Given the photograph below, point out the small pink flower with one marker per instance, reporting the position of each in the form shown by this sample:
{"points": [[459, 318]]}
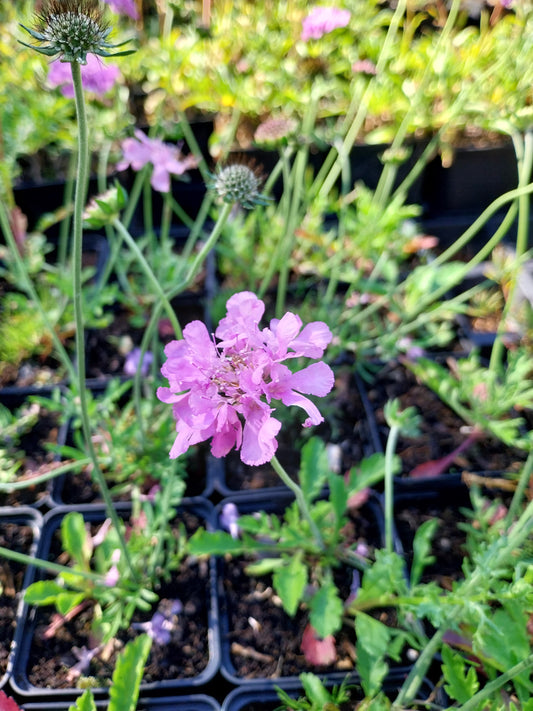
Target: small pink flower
{"points": [[322, 20], [97, 77], [124, 7], [166, 159], [212, 386], [113, 575], [364, 66]]}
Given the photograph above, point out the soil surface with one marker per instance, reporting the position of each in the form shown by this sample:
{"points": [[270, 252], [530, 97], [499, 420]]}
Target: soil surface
{"points": [[185, 656], [17, 537], [262, 641], [441, 430]]}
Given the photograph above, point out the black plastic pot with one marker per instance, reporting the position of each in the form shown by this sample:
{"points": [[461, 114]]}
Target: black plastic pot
{"points": [[230, 593], [17, 518], [264, 697], [20, 681], [187, 702]]}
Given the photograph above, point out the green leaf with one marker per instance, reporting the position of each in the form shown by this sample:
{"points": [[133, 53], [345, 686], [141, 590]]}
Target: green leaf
{"points": [[315, 690], [460, 686], [75, 538], [128, 674], [290, 582], [326, 610], [43, 592], [85, 702], [204, 542], [338, 495], [422, 545], [264, 566], [67, 601], [373, 638], [314, 468]]}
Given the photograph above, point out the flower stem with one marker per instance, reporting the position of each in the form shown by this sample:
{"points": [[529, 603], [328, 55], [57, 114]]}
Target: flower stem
{"points": [[300, 499], [390, 449], [77, 249]]}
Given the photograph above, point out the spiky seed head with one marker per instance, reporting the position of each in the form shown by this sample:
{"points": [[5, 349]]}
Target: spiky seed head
{"points": [[72, 29], [239, 183]]}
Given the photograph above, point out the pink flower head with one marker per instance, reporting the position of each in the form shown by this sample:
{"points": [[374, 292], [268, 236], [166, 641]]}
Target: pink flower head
{"points": [[124, 7], [166, 159], [322, 20], [213, 385], [97, 77]]}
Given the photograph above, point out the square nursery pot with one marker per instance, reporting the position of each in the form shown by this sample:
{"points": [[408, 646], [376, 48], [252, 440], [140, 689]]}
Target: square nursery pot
{"points": [[441, 432], [259, 640], [31, 450], [263, 697], [185, 664], [187, 702], [20, 529]]}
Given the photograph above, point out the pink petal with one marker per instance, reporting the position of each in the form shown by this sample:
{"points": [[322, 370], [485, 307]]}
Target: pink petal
{"points": [[259, 438], [317, 379], [319, 652]]}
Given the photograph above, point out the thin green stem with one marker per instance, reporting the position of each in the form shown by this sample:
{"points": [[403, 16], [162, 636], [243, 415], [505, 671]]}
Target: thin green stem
{"points": [[300, 499], [523, 482], [48, 565], [390, 449], [134, 247], [41, 478], [496, 684], [77, 249]]}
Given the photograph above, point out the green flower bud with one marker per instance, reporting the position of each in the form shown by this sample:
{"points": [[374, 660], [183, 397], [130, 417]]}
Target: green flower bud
{"points": [[72, 29], [238, 183], [105, 208]]}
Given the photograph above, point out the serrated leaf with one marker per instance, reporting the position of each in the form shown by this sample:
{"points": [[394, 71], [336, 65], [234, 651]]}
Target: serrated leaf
{"points": [[128, 674], [459, 686], [326, 610], [372, 644], [85, 702], [290, 582]]}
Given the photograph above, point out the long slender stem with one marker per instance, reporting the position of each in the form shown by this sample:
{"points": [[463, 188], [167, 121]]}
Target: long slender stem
{"points": [[390, 449], [77, 249], [300, 499]]}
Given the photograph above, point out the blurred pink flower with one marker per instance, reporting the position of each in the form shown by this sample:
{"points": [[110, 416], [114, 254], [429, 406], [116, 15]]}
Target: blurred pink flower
{"points": [[318, 652], [322, 20], [95, 76], [124, 7], [211, 386], [166, 159]]}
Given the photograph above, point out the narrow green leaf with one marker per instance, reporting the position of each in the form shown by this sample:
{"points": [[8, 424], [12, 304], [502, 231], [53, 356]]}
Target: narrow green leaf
{"points": [[204, 542], [289, 582], [422, 544], [314, 468], [75, 538], [128, 674]]}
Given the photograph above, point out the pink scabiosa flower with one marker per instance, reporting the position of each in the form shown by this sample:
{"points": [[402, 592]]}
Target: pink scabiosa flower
{"points": [[322, 20], [124, 7], [97, 77], [225, 390], [165, 159]]}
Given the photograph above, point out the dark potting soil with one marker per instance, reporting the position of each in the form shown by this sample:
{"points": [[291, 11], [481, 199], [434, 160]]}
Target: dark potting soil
{"points": [[16, 537], [185, 656], [37, 460], [440, 428], [263, 641]]}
